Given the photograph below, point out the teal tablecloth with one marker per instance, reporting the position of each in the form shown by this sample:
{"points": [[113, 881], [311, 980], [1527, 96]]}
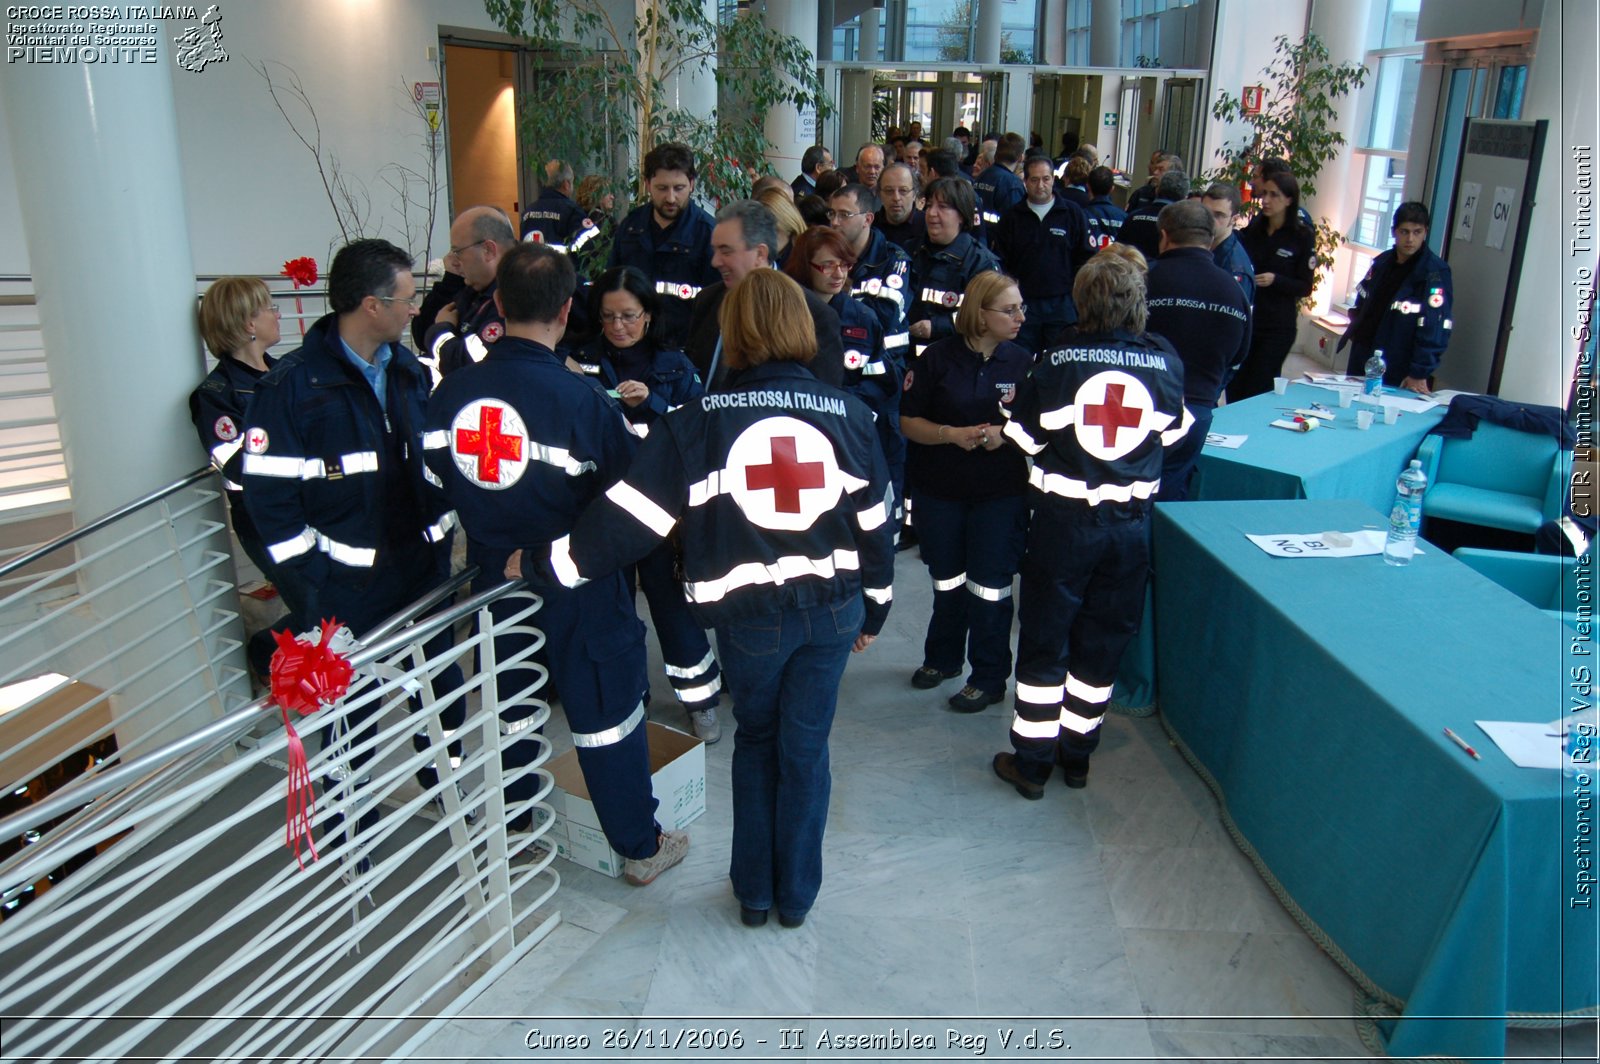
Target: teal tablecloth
{"points": [[1336, 461], [1315, 694]]}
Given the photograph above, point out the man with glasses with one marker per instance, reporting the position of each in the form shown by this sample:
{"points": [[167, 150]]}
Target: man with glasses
{"points": [[463, 331], [900, 221], [333, 474], [1041, 242], [882, 271], [742, 242]]}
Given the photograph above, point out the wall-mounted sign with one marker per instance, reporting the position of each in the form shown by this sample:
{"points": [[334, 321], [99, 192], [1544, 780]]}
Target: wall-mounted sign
{"points": [[1252, 98], [1110, 120]]}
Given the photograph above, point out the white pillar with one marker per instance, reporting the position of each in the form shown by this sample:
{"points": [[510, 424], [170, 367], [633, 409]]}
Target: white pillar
{"points": [[1339, 184], [797, 18], [1050, 43], [94, 147], [692, 87], [1105, 33], [986, 46], [867, 40], [95, 150]]}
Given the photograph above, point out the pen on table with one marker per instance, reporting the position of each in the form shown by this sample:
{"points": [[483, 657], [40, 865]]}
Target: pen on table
{"points": [[1459, 741]]}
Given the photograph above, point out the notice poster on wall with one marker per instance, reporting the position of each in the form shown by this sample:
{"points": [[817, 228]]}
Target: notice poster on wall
{"points": [[1500, 217], [1467, 216]]}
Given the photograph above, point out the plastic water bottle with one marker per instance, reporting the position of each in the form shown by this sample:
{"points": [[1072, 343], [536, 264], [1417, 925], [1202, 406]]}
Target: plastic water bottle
{"points": [[1376, 367], [1406, 517]]}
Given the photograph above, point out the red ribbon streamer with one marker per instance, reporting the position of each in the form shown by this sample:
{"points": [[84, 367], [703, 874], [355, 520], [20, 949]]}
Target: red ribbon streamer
{"points": [[305, 676], [303, 272]]}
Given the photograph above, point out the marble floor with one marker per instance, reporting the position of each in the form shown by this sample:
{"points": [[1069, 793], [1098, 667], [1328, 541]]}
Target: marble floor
{"points": [[1121, 915]]}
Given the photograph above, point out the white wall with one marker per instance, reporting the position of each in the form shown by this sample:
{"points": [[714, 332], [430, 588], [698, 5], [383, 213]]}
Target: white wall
{"points": [[252, 191], [1240, 49], [1561, 88]]}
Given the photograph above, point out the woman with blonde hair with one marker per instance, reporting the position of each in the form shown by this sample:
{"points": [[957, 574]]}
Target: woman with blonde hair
{"points": [[791, 561], [790, 223], [967, 489], [238, 322]]}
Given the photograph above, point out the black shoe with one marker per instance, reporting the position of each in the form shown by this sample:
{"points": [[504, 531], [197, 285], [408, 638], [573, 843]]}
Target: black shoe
{"points": [[785, 920], [927, 677], [1005, 766], [752, 917], [1074, 772], [973, 700]]}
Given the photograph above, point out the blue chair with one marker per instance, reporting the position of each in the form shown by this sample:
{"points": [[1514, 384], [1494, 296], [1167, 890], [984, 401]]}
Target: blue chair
{"points": [[1497, 477], [1544, 580]]}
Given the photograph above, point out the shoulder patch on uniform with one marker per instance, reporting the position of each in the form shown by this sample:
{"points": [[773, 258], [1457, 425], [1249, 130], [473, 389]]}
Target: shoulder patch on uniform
{"points": [[588, 223], [255, 441], [492, 332], [894, 281], [225, 429], [1436, 299], [1311, 262], [855, 332], [906, 387]]}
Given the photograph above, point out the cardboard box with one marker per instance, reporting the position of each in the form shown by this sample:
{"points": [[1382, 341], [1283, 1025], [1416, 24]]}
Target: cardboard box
{"points": [[677, 777]]}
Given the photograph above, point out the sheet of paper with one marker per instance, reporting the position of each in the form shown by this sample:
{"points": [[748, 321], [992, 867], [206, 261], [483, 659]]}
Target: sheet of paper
{"points": [[1403, 401], [1333, 378], [1467, 212], [1527, 745], [1222, 439], [1500, 218], [1318, 545]]}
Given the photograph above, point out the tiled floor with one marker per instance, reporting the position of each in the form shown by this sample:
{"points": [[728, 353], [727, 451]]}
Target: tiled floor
{"points": [[1121, 914]]}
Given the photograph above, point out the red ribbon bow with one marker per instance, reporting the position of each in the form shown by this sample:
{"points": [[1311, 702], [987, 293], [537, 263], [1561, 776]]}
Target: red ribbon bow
{"points": [[305, 676], [302, 271]]}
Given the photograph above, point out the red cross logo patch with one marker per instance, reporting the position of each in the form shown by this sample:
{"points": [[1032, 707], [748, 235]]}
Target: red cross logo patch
{"points": [[783, 474], [489, 443], [950, 299], [255, 441], [225, 428], [1115, 414], [492, 332], [854, 360]]}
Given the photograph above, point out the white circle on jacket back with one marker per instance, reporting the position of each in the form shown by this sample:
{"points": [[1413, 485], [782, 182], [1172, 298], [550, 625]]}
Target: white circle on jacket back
{"points": [[1115, 414], [489, 443], [783, 474]]}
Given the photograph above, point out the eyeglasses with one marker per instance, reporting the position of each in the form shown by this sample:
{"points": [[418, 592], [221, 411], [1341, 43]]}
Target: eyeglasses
{"points": [[271, 308], [1018, 311], [831, 267], [464, 247], [843, 216], [412, 302], [629, 318]]}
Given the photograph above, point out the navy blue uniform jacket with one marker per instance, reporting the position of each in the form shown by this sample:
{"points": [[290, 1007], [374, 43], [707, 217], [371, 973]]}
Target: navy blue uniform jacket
{"points": [[1415, 327], [677, 261], [781, 491]]}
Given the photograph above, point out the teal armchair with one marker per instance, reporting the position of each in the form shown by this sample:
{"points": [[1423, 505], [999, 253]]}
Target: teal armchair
{"points": [[1498, 477], [1545, 580]]}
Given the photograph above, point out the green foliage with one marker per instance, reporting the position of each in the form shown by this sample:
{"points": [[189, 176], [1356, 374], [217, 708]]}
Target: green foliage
{"points": [[1295, 122], [603, 105]]}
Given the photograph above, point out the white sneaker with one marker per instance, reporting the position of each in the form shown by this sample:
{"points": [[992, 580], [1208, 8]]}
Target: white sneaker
{"points": [[707, 728], [671, 848]]}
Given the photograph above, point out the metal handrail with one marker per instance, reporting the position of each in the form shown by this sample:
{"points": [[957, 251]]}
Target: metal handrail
{"points": [[66, 539], [227, 728]]}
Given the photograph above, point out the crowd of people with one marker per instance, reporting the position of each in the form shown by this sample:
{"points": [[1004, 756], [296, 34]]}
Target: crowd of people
{"points": [[968, 346]]}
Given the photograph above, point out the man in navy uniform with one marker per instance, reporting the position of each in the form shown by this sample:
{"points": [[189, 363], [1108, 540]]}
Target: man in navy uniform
{"points": [[522, 445], [901, 221], [1095, 416], [1041, 242], [463, 331], [1224, 204], [816, 161], [1105, 218], [1403, 307], [1139, 229], [668, 239], [1199, 308], [333, 474]]}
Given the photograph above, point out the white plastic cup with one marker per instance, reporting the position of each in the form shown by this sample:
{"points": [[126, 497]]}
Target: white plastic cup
{"points": [[1345, 395], [1280, 385], [1391, 414], [1363, 419]]}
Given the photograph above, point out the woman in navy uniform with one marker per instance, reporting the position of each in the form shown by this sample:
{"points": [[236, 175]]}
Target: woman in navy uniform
{"points": [[780, 487], [1283, 249], [822, 262], [239, 322], [650, 381], [944, 262], [968, 489]]}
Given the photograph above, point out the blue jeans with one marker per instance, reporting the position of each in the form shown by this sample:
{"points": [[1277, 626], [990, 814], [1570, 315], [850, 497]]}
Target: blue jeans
{"points": [[783, 672]]}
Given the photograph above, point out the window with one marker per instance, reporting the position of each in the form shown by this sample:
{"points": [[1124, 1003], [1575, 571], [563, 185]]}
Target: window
{"points": [[1395, 59], [1078, 33], [1141, 30]]}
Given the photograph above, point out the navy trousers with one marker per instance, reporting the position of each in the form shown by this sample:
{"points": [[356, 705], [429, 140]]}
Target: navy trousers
{"points": [[972, 550]]}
